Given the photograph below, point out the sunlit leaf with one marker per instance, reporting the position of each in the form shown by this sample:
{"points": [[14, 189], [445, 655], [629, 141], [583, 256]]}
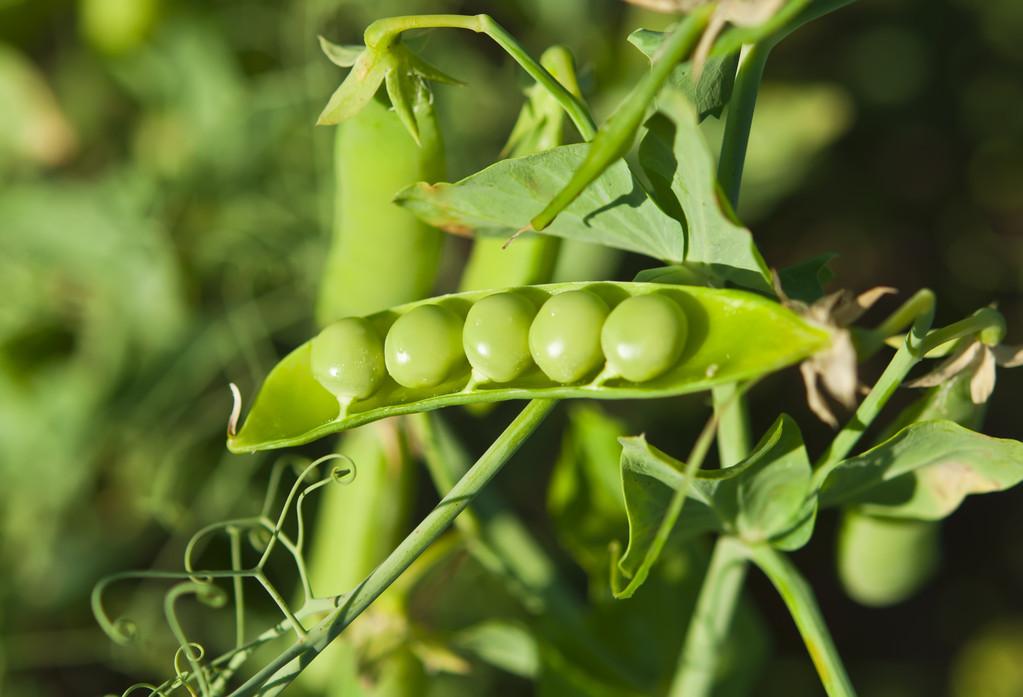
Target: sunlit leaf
{"points": [[683, 173], [925, 471], [764, 497], [711, 91], [614, 210]]}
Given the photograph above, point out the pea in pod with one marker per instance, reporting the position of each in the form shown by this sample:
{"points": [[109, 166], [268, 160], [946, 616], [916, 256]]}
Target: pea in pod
{"points": [[585, 341]]}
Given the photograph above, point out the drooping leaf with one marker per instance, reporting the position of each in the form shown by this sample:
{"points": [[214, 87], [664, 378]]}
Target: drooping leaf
{"points": [[682, 172], [614, 210], [925, 471], [650, 480], [711, 91], [764, 497]]}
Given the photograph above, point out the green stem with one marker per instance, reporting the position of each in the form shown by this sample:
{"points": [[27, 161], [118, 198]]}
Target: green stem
{"points": [[921, 303], [505, 547], [802, 605], [277, 675], [615, 137], [722, 584], [740, 119], [385, 31], [985, 323], [708, 628]]}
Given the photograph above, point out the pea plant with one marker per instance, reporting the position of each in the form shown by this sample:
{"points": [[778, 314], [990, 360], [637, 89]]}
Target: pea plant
{"points": [[707, 315]]}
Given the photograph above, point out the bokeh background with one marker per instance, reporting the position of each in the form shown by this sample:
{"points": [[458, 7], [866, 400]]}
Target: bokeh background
{"points": [[164, 211]]}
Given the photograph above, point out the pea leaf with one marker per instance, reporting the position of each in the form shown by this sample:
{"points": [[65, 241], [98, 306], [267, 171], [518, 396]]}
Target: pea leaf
{"points": [[711, 92], [614, 210], [681, 171], [924, 471], [767, 496], [805, 281]]}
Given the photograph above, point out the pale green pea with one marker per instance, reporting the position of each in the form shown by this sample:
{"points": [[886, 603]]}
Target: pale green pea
{"points": [[565, 336], [644, 336], [496, 336], [424, 346], [347, 358]]}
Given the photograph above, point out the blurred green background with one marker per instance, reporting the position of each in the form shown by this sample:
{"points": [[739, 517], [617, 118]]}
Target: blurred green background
{"points": [[165, 203]]}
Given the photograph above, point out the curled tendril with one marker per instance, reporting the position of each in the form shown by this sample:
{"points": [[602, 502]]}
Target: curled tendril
{"points": [[266, 532], [194, 653], [154, 691]]}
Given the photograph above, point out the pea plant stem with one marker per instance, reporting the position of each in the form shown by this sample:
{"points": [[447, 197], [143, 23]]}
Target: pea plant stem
{"points": [[277, 675], [918, 343], [505, 547], [387, 30], [740, 119], [722, 584], [802, 605], [712, 617]]}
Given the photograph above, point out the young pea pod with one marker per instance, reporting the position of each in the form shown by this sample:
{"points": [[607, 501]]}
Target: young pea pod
{"points": [[376, 157], [531, 258], [567, 340], [883, 561]]}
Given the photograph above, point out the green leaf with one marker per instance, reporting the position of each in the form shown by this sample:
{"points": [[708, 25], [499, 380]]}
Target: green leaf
{"points": [[683, 175], [503, 644], [340, 54], [924, 471], [614, 211], [403, 89], [805, 281], [712, 91], [764, 497], [358, 88], [650, 480]]}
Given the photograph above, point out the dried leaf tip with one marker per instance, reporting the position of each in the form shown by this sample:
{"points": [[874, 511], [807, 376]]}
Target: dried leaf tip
{"points": [[518, 233], [977, 360], [834, 369], [236, 411]]}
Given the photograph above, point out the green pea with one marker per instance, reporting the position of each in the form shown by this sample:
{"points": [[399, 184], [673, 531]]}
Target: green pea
{"points": [[644, 336], [565, 336], [424, 346], [496, 336], [347, 358]]}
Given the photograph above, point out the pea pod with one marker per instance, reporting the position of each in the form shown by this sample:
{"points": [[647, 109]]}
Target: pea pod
{"points": [[728, 335], [883, 561], [375, 157]]}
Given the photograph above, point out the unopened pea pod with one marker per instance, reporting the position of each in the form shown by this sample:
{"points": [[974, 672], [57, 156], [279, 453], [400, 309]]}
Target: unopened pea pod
{"points": [[728, 335]]}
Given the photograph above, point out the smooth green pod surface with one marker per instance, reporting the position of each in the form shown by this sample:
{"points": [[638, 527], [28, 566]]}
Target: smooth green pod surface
{"points": [[733, 335], [883, 561], [347, 358], [424, 346], [644, 336], [496, 337], [565, 337]]}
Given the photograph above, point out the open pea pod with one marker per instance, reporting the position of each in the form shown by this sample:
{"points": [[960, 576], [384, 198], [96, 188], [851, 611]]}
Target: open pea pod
{"points": [[721, 336]]}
